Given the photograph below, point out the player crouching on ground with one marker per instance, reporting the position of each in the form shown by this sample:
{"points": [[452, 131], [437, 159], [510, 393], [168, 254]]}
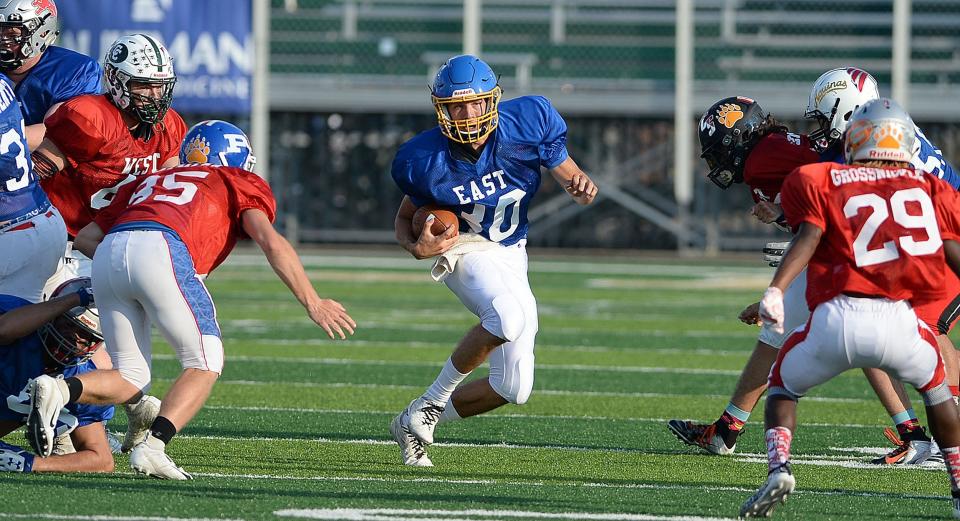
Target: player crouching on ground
{"points": [[55, 337], [874, 234]]}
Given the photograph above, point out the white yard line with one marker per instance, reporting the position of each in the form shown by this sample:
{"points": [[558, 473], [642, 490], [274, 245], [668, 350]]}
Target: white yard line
{"points": [[550, 392], [301, 410], [109, 518], [414, 363], [399, 514]]}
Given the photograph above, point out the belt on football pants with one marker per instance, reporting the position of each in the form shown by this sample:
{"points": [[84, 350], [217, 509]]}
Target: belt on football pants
{"points": [[27, 225]]}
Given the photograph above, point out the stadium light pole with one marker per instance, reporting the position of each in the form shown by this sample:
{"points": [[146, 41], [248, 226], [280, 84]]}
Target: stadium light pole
{"points": [[682, 124], [471, 27], [260, 102], [900, 68]]}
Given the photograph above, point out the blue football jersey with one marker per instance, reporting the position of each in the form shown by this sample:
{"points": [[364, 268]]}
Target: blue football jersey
{"points": [[23, 360], [20, 194], [60, 74], [926, 158], [490, 196]]}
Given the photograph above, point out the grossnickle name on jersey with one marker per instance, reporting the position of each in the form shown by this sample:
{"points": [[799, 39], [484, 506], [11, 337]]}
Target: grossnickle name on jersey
{"points": [[868, 174]]}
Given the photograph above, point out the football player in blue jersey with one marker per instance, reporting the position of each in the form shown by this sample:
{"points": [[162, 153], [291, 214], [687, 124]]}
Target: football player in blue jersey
{"points": [[483, 163], [53, 337], [43, 75]]}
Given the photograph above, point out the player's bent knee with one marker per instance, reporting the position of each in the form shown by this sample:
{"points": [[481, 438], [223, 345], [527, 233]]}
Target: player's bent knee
{"points": [[138, 377], [514, 383]]}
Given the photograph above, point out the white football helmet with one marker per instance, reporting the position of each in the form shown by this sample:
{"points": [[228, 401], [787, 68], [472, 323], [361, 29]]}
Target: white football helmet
{"points": [[37, 21], [879, 130], [140, 59], [835, 96], [74, 336]]}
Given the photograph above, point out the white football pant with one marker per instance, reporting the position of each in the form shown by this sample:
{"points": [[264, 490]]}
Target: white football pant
{"points": [[34, 249], [848, 332], [147, 276], [493, 285], [795, 313]]}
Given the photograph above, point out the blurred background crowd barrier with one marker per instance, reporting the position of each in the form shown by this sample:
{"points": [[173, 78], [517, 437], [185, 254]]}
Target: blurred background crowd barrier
{"points": [[348, 82]]}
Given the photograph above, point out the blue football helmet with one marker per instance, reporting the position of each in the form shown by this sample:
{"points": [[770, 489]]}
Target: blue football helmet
{"points": [[216, 142], [463, 79]]}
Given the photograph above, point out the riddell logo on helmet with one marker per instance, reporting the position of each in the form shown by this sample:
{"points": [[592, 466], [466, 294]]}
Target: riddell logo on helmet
{"points": [[729, 114], [462, 92], [830, 87]]}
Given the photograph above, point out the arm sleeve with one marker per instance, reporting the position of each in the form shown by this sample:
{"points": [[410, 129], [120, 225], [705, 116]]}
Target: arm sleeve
{"points": [[176, 129], [252, 192], [79, 138], [84, 79], [946, 204], [553, 144], [403, 175], [802, 201]]}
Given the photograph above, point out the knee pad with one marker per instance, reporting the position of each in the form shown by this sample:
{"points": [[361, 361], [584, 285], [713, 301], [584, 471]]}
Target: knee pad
{"points": [[936, 395], [505, 318], [139, 376], [514, 382]]}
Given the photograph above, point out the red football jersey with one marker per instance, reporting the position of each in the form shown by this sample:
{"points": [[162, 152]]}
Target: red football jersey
{"points": [[883, 230], [102, 155], [202, 203], [771, 159]]}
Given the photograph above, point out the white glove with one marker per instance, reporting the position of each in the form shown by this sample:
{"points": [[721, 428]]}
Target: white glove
{"points": [[771, 309], [773, 253]]}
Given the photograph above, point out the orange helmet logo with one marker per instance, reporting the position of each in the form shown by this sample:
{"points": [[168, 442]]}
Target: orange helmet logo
{"points": [[197, 150], [729, 114], [888, 136]]}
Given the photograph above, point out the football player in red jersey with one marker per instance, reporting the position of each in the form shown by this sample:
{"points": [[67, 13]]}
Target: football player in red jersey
{"points": [[163, 235], [95, 144], [742, 144], [874, 236]]}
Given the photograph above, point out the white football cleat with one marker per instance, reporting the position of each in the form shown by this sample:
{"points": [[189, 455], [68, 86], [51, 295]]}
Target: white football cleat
{"points": [[411, 449], [45, 404], [422, 417], [140, 417], [779, 485], [149, 458]]}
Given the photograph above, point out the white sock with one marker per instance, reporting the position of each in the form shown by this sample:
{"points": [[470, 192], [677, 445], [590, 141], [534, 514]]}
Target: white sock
{"points": [[64, 390], [448, 380], [449, 413]]}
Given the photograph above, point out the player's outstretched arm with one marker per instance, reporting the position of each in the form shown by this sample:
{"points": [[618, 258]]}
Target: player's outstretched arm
{"points": [[427, 245], [88, 239], [48, 160], [575, 181], [92, 455], [26, 320], [328, 314]]}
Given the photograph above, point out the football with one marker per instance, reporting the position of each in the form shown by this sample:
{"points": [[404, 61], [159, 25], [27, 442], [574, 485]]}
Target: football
{"points": [[444, 218]]}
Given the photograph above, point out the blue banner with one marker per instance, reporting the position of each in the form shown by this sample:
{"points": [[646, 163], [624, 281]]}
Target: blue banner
{"points": [[211, 42]]}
